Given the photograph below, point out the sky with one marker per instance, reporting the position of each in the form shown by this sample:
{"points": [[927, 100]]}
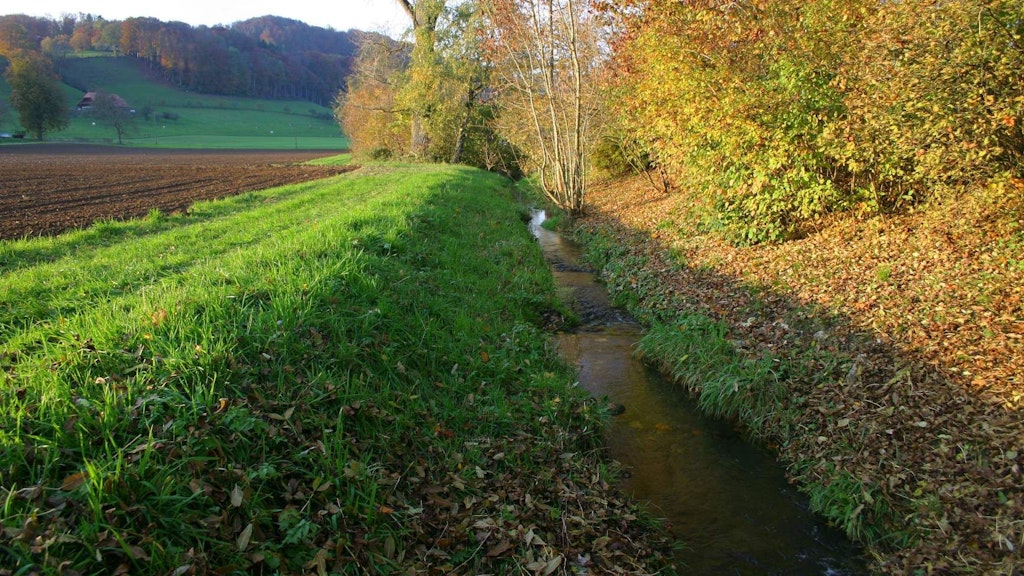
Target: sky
{"points": [[370, 15]]}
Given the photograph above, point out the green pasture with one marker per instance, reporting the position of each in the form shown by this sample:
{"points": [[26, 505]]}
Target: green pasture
{"points": [[180, 119]]}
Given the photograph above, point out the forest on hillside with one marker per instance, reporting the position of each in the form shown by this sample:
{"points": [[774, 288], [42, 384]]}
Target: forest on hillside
{"points": [[267, 57]]}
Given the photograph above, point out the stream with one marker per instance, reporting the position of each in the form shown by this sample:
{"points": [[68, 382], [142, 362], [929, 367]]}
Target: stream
{"points": [[725, 499]]}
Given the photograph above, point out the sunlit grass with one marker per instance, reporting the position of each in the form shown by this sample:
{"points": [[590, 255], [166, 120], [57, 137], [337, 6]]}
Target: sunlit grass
{"points": [[253, 381]]}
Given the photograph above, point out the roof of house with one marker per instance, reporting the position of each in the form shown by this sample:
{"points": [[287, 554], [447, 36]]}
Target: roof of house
{"points": [[88, 98]]}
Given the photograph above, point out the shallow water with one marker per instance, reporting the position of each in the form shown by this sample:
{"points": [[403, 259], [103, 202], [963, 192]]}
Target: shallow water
{"points": [[726, 500]]}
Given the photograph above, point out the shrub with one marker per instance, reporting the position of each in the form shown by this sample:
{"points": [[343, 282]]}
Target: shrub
{"points": [[777, 113], [381, 154]]}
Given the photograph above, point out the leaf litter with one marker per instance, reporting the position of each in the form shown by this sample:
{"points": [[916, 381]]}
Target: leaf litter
{"points": [[908, 336]]}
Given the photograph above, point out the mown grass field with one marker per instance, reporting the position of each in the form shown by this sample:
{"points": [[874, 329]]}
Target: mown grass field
{"points": [[183, 119], [345, 376]]}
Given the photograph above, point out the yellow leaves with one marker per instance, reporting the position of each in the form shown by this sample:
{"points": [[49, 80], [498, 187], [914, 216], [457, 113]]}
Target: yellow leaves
{"points": [[222, 406]]}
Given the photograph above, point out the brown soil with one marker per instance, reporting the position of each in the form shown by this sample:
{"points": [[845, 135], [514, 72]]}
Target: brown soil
{"points": [[910, 330], [46, 189]]}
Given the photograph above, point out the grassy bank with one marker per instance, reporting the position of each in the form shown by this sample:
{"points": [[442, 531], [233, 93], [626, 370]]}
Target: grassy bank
{"points": [[344, 376]]}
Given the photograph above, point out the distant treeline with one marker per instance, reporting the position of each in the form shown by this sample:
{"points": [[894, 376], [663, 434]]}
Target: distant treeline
{"points": [[266, 57]]}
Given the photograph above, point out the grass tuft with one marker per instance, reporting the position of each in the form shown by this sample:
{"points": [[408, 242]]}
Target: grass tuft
{"points": [[696, 353]]}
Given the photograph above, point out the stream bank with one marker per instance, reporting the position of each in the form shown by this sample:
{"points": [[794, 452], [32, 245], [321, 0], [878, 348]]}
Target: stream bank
{"points": [[725, 499], [897, 341]]}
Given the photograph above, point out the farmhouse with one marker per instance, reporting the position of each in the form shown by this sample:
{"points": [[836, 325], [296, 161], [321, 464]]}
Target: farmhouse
{"points": [[86, 102]]}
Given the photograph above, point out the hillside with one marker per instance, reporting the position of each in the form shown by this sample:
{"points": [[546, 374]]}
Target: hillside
{"points": [[270, 78], [267, 57], [168, 116]]}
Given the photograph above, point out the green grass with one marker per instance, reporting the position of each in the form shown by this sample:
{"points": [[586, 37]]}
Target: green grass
{"points": [[183, 119], [284, 376], [695, 352], [8, 117]]}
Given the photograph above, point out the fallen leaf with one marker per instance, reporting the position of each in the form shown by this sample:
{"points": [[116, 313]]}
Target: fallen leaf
{"points": [[319, 562], [499, 549], [30, 493], [243, 539], [222, 405], [552, 565], [158, 317], [73, 481], [236, 496]]}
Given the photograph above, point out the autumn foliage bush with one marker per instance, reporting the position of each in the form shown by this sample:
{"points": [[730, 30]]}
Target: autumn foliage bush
{"points": [[776, 113]]}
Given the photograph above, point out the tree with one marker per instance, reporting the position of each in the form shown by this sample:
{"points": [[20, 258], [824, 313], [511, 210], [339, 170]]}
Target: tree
{"points": [[81, 39], [110, 110], [108, 37], [771, 115], [443, 87], [545, 54], [367, 109], [422, 68], [36, 94], [57, 48], [14, 37]]}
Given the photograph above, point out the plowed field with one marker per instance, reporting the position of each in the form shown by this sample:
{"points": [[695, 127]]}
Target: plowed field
{"points": [[48, 189]]}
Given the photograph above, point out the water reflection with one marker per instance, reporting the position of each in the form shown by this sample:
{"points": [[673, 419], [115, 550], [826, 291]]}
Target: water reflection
{"points": [[725, 499]]}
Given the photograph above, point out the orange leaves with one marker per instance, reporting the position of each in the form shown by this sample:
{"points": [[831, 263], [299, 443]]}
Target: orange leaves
{"points": [[73, 481]]}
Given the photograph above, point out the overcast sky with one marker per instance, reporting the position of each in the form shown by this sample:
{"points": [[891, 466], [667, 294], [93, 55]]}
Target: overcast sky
{"points": [[370, 15]]}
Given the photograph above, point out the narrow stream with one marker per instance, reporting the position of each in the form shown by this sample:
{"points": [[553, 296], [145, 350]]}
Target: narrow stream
{"points": [[726, 500]]}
